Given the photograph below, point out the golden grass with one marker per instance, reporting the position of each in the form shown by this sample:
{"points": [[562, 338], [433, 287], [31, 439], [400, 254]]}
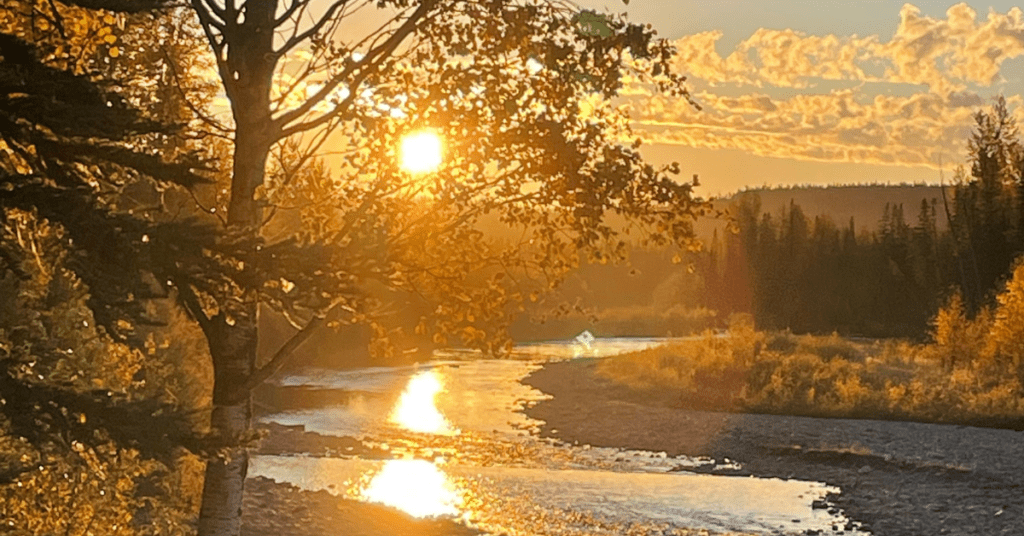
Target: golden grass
{"points": [[825, 376]]}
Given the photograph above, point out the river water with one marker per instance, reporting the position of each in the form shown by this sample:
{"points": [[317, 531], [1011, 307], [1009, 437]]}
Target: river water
{"points": [[461, 448]]}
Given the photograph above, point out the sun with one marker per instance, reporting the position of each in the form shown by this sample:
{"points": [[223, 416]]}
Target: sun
{"points": [[421, 151]]}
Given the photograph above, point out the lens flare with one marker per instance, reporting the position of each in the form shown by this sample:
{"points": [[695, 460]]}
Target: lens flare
{"points": [[421, 152], [416, 487], [416, 410]]}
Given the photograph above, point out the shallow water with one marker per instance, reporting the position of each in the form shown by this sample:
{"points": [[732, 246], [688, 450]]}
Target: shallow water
{"points": [[462, 449]]}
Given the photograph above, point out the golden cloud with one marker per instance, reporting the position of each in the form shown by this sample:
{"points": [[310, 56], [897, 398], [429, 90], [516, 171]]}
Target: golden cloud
{"points": [[909, 100], [942, 54], [921, 129]]}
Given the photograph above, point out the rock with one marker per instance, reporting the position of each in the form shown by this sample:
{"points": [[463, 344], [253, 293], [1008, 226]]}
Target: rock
{"points": [[864, 470], [819, 504]]}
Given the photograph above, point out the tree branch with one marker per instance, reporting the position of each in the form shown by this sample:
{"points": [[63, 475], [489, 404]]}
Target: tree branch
{"points": [[191, 302], [265, 372], [382, 51], [208, 24], [207, 11], [184, 97], [297, 39], [292, 8]]}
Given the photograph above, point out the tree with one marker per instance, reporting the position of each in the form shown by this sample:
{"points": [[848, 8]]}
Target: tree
{"points": [[85, 429], [519, 91], [985, 221]]}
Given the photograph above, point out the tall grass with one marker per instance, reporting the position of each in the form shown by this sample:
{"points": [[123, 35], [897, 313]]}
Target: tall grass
{"points": [[972, 372]]}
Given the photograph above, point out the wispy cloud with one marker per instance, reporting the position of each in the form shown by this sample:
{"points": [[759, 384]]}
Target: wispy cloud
{"points": [[906, 99]]}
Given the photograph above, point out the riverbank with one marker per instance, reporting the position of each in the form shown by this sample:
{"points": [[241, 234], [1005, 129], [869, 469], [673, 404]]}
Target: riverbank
{"points": [[897, 478]]}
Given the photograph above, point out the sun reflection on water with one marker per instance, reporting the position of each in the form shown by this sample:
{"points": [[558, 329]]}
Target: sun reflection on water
{"points": [[416, 487], [416, 410]]}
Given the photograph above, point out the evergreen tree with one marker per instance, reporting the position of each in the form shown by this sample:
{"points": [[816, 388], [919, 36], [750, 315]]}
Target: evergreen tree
{"points": [[84, 414], [986, 218]]}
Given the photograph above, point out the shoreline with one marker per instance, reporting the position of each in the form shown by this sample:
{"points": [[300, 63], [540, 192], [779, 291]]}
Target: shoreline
{"points": [[897, 478]]}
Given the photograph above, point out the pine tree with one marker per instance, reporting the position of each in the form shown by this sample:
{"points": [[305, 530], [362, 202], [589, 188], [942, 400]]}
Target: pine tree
{"points": [[76, 270], [984, 218]]}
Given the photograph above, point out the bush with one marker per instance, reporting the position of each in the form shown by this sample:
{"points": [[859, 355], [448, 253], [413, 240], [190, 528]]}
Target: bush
{"points": [[1006, 335], [959, 341], [971, 373]]}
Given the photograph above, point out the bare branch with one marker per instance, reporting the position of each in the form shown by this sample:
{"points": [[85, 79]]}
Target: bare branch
{"points": [[298, 39], [207, 11], [221, 13], [295, 5], [372, 61], [208, 24], [267, 371], [191, 302]]}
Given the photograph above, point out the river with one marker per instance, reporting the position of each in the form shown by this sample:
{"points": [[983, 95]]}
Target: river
{"points": [[461, 448]]}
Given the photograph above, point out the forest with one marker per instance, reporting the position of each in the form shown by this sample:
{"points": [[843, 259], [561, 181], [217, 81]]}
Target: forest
{"points": [[811, 274]]}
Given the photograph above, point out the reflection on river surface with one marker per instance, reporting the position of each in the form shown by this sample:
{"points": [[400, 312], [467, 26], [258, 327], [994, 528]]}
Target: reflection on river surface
{"points": [[416, 487], [462, 448], [416, 410]]}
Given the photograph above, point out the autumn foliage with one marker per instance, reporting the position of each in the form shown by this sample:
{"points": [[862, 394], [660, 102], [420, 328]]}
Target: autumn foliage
{"points": [[970, 373]]}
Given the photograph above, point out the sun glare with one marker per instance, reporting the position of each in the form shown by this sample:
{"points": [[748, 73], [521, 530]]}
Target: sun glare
{"points": [[421, 151], [416, 410], [416, 487]]}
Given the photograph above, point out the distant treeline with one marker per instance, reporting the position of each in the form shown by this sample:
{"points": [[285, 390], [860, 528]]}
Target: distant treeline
{"points": [[813, 275], [807, 274]]}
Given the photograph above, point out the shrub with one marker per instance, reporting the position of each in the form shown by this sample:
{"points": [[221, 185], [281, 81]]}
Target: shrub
{"points": [[959, 341], [1006, 335]]}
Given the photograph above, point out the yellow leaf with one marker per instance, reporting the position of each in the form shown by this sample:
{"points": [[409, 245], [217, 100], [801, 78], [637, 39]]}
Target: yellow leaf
{"points": [[110, 39], [115, 52]]}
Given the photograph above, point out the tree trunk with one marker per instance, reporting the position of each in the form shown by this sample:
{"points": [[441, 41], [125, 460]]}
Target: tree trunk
{"points": [[234, 358], [233, 349], [247, 75], [233, 344]]}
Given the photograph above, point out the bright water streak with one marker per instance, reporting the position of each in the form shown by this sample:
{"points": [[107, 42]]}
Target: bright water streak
{"points": [[416, 410], [475, 404], [416, 487], [504, 499]]}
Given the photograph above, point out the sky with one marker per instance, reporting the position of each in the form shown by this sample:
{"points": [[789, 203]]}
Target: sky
{"points": [[813, 92]]}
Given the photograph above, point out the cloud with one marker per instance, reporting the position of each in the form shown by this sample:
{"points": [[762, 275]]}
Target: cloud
{"points": [[943, 54], [843, 125], [965, 99], [906, 99], [696, 56]]}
